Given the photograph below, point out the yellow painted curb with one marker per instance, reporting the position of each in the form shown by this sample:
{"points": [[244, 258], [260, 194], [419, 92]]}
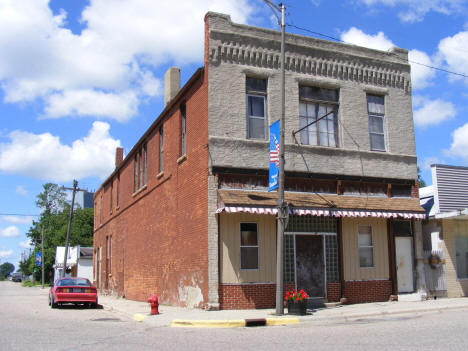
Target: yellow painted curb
{"points": [[281, 321], [139, 317], [209, 323]]}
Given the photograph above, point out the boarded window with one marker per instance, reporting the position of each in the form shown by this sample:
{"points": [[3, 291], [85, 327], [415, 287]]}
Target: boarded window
{"points": [[461, 257]]}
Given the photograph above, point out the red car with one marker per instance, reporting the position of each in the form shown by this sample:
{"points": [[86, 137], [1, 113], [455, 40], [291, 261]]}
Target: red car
{"points": [[73, 290]]}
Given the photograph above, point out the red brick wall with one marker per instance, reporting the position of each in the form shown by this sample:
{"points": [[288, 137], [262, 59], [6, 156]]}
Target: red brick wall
{"points": [[249, 296], [333, 291], [159, 234], [367, 291]]}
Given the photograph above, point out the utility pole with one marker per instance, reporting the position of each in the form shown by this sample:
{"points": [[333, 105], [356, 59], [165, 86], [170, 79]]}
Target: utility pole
{"points": [[281, 219], [75, 189], [42, 255]]}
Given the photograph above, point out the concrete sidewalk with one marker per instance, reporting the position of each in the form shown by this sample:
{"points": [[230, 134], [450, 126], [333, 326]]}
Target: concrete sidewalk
{"points": [[178, 316]]}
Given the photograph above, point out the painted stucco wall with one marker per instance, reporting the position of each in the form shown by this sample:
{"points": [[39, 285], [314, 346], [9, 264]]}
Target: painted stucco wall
{"points": [[236, 51], [352, 271], [230, 249], [451, 229]]}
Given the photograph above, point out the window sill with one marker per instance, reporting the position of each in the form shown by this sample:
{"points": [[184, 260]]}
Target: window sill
{"points": [[139, 190], [160, 175], [181, 159]]}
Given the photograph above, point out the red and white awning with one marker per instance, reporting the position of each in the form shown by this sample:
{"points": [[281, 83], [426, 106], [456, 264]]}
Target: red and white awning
{"points": [[323, 212], [256, 210]]}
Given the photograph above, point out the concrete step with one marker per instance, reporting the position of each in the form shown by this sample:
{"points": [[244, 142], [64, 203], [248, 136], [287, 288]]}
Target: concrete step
{"points": [[316, 302]]}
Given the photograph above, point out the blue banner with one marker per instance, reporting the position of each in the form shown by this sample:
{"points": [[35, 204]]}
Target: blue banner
{"points": [[274, 156], [38, 259]]}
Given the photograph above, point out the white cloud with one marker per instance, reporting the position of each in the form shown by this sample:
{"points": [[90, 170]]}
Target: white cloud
{"points": [[417, 9], [428, 112], [25, 244], [111, 60], [428, 161], [20, 190], [453, 51], [459, 147], [16, 219], [358, 37], [92, 103], [420, 75], [10, 232], [45, 157], [6, 254]]}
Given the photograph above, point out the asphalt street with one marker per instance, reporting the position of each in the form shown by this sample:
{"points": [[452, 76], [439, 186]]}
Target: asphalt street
{"points": [[28, 323]]}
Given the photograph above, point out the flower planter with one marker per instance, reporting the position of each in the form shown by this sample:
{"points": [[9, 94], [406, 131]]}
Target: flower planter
{"points": [[298, 308]]}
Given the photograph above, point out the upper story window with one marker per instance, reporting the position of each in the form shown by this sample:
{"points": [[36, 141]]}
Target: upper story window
{"points": [[161, 149], [100, 208], [117, 200], [111, 199], [183, 139], [376, 112], [140, 167], [314, 104], [256, 90]]}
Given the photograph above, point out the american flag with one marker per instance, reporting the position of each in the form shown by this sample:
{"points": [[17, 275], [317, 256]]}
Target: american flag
{"points": [[274, 154]]}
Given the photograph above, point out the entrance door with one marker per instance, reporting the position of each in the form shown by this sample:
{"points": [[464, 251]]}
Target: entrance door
{"points": [[309, 265], [404, 262]]}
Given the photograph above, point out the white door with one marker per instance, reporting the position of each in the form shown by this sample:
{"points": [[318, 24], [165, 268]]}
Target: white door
{"points": [[404, 262]]}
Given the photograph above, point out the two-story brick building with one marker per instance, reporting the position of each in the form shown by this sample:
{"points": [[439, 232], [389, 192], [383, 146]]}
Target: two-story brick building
{"points": [[187, 214]]}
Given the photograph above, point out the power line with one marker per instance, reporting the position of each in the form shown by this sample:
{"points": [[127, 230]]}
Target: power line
{"points": [[391, 53], [19, 214]]}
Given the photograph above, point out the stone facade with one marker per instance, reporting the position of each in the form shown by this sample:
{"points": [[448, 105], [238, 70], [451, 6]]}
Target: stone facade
{"points": [[237, 51]]}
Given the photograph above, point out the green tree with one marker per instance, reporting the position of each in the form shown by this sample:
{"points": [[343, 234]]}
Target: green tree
{"points": [[5, 269], [54, 220], [52, 199], [421, 181]]}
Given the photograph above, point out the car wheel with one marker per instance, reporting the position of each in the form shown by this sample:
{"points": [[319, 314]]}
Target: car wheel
{"points": [[53, 304]]}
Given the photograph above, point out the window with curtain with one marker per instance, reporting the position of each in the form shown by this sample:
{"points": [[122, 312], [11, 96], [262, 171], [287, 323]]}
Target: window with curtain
{"points": [[315, 103], [376, 112]]}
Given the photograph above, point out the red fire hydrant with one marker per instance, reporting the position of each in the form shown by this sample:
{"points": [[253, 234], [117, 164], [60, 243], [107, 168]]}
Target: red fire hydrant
{"points": [[153, 301]]}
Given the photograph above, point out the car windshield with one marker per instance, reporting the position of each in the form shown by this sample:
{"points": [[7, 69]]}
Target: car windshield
{"points": [[74, 282]]}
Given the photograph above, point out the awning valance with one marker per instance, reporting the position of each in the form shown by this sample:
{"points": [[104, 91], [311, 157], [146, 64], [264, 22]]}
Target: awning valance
{"points": [[301, 204], [320, 212]]}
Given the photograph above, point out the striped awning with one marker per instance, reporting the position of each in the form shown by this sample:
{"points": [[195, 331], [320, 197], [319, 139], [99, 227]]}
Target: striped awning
{"points": [[323, 212]]}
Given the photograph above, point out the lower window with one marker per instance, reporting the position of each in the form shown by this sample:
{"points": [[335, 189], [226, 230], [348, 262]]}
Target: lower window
{"points": [[249, 246], [366, 246]]}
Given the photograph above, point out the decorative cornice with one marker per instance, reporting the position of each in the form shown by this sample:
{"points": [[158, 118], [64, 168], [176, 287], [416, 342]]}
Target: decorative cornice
{"points": [[322, 63]]}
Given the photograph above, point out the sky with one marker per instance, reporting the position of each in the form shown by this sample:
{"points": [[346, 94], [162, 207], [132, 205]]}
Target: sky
{"points": [[80, 78]]}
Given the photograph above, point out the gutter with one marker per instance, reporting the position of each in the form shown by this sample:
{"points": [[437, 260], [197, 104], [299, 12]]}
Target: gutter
{"points": [[453, 214]]}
